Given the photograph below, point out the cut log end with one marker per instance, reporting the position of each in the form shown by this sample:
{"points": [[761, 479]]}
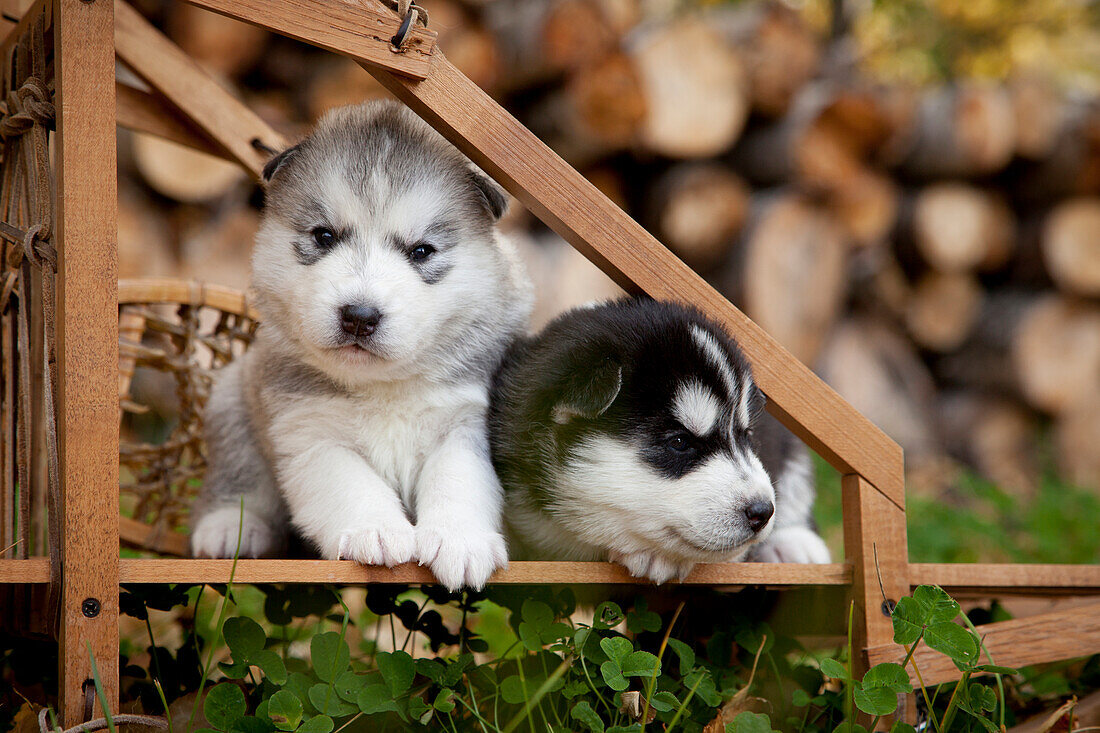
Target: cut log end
{"points": [[1071, 246]]}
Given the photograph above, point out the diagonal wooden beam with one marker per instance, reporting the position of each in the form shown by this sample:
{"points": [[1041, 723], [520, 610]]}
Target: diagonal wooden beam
{"points": [[361, 30], [595, 226], [150, 113], [171, 72]]}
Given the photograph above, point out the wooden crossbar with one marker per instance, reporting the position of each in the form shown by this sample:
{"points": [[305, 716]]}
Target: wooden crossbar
{"points": [[1046, 637], [346, 572], [35, 570], [983, 580], [361, 30]]}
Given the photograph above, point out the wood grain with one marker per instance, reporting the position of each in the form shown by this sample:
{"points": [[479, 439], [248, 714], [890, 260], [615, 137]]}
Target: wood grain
{"points": [[875, 544], [346, 572], [1046, 637], [170, 71], [991, 580], [576, 210], [361, 30], [150, 113], [87, 345], [33, 570]]}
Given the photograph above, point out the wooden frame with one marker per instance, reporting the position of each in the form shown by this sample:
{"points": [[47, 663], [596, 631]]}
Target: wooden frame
{"points": [[186, 106]]}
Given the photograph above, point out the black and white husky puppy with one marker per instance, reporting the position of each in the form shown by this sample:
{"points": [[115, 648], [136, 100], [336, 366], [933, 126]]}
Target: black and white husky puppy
{"points": [[633, 432], [358, 417]]}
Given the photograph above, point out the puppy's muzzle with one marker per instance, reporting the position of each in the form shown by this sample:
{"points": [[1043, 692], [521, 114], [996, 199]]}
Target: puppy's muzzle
{"points": [[359, 321]]}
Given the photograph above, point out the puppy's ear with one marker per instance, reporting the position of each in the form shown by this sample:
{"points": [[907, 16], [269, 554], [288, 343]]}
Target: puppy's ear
{"points": [[492, 196], [589, 394], [275, 163]]}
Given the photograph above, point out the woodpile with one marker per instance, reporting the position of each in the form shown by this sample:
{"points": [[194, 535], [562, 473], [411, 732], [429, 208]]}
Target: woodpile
{"points": [[934, 253]]}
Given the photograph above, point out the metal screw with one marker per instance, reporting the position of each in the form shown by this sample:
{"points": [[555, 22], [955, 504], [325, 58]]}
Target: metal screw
{"points": [[888, 607], [90, 607]]}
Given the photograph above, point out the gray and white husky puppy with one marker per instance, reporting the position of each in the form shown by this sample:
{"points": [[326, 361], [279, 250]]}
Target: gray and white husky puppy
{"points": [[358, 416], [633, 432]]}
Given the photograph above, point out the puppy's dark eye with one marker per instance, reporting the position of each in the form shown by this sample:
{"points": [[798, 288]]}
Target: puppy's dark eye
{"points": [[679, 443], [421, 252], [324, 237]]}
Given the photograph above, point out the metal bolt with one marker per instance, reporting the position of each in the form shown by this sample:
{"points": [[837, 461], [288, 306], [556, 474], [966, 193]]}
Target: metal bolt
{"points": [[888, 607], [90, 607]]}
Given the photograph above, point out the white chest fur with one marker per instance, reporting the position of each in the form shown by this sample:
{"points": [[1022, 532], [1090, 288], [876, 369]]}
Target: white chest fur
{"points": [[392, 426]]}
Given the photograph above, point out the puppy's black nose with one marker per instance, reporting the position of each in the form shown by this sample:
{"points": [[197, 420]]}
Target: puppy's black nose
{"points": [[758, 513], [359, 320]]}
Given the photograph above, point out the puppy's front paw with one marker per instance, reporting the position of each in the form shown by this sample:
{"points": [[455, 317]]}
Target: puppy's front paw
{"points": [[381, 543], [657, 568], [793, 544], [216, 535], [460, 556]]}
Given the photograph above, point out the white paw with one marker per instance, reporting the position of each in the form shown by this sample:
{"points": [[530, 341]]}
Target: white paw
{"points": [[460, 556], [654, 567], [380, 543], [792, 544], [216, 535]]}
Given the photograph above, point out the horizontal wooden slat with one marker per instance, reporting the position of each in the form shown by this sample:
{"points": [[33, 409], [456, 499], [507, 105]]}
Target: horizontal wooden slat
{"points": [[595, 226], [171, 72], [171, 290], [150, 113], [1047, 637], [33, 570], [334, 571], [1008, 579], [361, 30]]}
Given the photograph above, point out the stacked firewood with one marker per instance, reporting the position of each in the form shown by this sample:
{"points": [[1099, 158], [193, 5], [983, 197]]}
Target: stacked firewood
{"points": [[934, 253]]}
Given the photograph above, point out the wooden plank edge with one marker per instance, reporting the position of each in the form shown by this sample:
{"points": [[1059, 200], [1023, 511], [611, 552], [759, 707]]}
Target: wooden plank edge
{"points": [[990, 579], [34, 570], [536, 573]]}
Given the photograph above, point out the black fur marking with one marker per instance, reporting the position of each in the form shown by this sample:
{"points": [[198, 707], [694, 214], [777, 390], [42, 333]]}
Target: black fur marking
{"points": [[273, 165], [654, 345], [492, 196]]}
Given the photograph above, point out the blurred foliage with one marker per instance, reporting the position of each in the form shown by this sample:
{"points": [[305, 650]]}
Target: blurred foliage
{"points": [[974, 520], [929, 40]]}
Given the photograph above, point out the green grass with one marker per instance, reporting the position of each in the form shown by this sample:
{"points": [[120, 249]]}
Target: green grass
{"points": [[975, 521]]}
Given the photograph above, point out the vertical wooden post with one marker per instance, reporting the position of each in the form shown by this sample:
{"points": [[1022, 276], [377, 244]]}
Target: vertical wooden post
{"points": [[87, 346], [875, 543]]}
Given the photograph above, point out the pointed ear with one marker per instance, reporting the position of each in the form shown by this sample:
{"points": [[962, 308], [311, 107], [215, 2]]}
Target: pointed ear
{"points": [[492, 196], [589, 394], [275, 163]]}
